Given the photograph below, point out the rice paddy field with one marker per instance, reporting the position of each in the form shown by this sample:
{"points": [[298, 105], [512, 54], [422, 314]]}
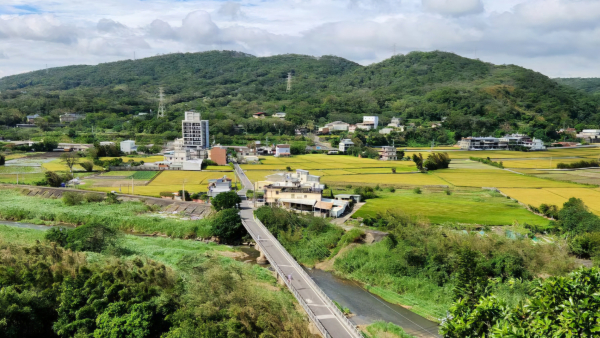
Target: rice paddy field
{"points": [[556, 196], [496, 178], [472, 206], [195, 181], [326, 162], [502, 154], [147, 159], [390, 179]]}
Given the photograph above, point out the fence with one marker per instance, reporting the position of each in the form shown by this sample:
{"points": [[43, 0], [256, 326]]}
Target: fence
{"points": [[355, 332], [141, 168]]}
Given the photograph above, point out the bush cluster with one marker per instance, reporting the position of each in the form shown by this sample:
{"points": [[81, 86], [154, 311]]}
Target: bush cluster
{"points": [[488, 161], [579, 164]]}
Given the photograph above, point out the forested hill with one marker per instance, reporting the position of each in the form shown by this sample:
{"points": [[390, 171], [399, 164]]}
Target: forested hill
{"points": [[589, 85], [475, 97]]}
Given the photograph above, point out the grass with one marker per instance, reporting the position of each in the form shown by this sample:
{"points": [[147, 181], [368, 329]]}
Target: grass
{"points": [[463, 206], [126, 216], [549, 163], [23, 178], [20, 236], [382, 329], [58, 165], [144, 175]]}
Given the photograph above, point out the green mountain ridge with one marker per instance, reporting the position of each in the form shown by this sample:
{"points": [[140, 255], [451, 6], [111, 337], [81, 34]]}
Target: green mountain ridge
{"points": [[588, 85], [473, 97]]}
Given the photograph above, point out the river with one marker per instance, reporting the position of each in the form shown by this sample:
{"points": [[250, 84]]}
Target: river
{"points": [[366, 307]]}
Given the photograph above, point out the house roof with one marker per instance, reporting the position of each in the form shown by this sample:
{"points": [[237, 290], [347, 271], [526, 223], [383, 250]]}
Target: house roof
{"points": [[283, 146], [259, 113], [324, 205], [298, 201]]}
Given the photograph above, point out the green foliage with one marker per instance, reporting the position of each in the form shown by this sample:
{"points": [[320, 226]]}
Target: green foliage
{"points": [[91, 237], [365, 193], [87, 165], [187, 196], [381, 329], [574, 218], [436, 161], [226, 200], [72, 198], [417, 190], [57, 235], [92, 197], [55, 180], [557, 307], [418, 159], [144, 175], [579, 164], [227, 226], [111, 198], [2, 159]]}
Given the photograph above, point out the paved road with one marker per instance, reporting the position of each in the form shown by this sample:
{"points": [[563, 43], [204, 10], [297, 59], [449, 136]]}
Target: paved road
{"points": [[307, 290]]}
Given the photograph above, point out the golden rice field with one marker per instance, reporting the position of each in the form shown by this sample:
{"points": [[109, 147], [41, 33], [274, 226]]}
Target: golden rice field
{"points": [[556, 196], [195, 181], [497, 179], [501, 154], [57, 165], [148, 159], [323, 162], [548, 163], [385, 179], [218, 168], [258, 175]]}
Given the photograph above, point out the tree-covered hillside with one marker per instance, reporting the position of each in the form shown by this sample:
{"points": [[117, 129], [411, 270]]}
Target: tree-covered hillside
{"points": [[473, 97], [589, 85]]}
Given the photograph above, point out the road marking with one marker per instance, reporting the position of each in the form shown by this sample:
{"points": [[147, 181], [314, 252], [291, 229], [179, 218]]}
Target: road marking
{"points": [[326, 317]]}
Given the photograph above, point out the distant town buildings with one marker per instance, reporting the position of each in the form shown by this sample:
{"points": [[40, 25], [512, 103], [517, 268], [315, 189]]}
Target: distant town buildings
{"points": [[337, 125], [68, 117], [195, 131], [503, 143], [388, 153], [282, 150], [386, 131], [128, 146], [590, 135], [345, 144], [259, 115], [219, 185], [372, 121], [32, 118], [280, 115], [218, 155], [180, 158], [396, 123]]}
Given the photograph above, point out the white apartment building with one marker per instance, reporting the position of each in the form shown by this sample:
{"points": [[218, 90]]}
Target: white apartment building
{"points": [[590, 135], [345, 144], [195, 131], [337, 125], [128, 146], [373, 121], [282, 150], [388, 153], [503, 143]]}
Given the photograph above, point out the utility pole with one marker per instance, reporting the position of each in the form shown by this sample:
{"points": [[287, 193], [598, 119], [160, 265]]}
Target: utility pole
{"points": [[132, 192], [183, 191], [161, 103], [289, 81]]}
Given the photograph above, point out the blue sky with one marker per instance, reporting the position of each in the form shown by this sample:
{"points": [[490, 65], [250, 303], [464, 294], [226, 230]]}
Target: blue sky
{"points": [[559, 38]]}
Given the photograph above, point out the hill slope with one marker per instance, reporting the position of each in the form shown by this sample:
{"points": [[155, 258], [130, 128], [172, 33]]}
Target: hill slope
{"points": [[589, 85], [474, 96]]}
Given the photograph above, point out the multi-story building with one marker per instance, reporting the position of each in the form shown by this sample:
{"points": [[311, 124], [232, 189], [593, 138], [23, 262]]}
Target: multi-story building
{"points": [[68, 118], [337, 125], [365, 126], [507, 142], [282, 150], [396, 122], [373, 121], [219, 185], [345, 144], [388, 153], [128, 146], [219, 155], [590, 135], [195, 131]]}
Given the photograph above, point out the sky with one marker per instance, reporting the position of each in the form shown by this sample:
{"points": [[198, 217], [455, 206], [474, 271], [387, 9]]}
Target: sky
{"points": [[559, 38]]}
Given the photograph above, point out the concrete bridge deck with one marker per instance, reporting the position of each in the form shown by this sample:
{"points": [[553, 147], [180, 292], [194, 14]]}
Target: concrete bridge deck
{"points": [[321, 310]]}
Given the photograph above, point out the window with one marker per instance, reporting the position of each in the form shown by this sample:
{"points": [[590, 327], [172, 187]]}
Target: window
{"points": [[293, 195], [277, 193], [304, 196]]}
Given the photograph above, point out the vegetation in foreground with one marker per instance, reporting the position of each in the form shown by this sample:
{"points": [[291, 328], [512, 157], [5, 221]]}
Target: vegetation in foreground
{"points": [[127, 216], [150, 287]]}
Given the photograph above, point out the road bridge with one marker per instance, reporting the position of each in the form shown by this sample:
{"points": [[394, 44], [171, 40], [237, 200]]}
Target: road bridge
{"points": [[328, 319]]}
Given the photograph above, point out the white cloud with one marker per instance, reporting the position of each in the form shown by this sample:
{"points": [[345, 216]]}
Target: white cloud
{"points": [[453, 7], [232, 10], [36, 27], [2, 55], [558, 37]]}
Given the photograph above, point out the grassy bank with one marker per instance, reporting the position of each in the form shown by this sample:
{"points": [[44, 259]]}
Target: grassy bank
{"points": [[127, 216]]}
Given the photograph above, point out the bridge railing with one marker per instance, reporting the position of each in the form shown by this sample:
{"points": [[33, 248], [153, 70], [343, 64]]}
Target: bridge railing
{"points": [[355, 332], [295, 292]]}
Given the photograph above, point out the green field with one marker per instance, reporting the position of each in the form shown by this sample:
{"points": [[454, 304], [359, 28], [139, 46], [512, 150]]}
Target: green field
{"points": [[144, 175], [463, 206]]}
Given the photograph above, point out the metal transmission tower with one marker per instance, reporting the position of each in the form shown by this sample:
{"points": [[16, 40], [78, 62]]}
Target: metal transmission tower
{"points": [[289, 81], [161, 103]]}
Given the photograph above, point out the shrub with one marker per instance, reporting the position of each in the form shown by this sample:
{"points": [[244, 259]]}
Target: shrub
{"points": [[579, 164], [166, 194], [2, 159], [417, 190], [91, 237], [348, 186], [195, 196], [393, 170], [111, 198], [226, 200], [72, 198], [57, 235], [186, 197], [55, 180], [392, 189], [288, 168], [365, 193], [227, 226], [448, 191], [91, 197], [88, 166], [377, 187]]}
